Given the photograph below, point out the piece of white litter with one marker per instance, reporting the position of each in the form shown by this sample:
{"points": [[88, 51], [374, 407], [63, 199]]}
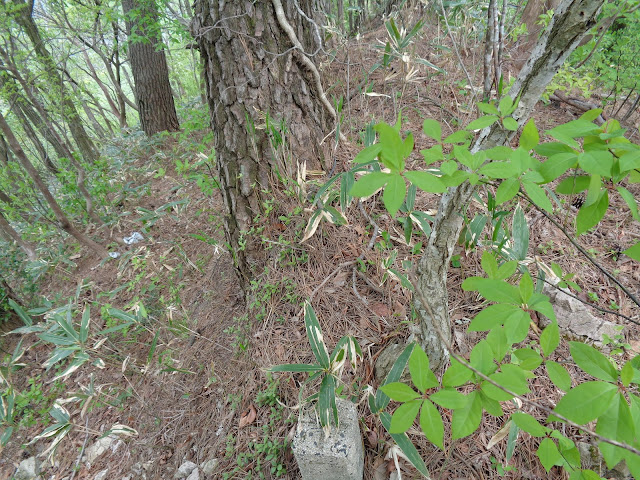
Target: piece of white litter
{"points": [[114, 254], [135, 237]]}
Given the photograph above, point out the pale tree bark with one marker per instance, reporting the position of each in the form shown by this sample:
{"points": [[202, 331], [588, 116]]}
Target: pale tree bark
{"points": [[61, 217], [572, 19], [530, 16], [23, 16], [149, 67], [10, 232], [256, 65]]}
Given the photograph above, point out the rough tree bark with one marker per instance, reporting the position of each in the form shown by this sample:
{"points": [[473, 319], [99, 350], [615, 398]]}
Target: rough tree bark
{"points": [[149, 67], [572, 19], [253, 71]]}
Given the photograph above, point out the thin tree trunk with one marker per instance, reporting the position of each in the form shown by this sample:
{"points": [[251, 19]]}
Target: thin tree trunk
{"points": [[23, 17], [62, 219], [573, 18], [8, 230], [35, 140], [102, 86], [49, 132]]}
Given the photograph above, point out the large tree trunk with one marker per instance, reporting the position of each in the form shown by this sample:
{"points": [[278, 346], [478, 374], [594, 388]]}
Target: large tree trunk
{"points": [[254, 76], [149, 67], [22, 16], [572, 19]]}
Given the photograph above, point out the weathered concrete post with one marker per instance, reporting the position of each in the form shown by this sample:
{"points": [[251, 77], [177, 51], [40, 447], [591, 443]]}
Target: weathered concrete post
{"points": [[337, 456]]}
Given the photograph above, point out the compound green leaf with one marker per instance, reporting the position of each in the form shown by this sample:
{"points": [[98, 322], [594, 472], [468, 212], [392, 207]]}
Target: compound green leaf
{"points": [[529, 137], [538, 195], [425, 181], [616, 423], [369, 183], [431, 424], [597, 162], [593, 362], [432, 154], [556, 165], [548, 454], [550, 338], [507, 190], [488, 109], [590, 215], [449, 398], [404, 416], [421, 375], [392, 147], [482, 358], [400, 392], [574, 184], [467, 419], [492, 316], [368, 154], [493, 290], [482, 122], [489, 263], [394, 194], [510, 124], [630, 161], [506, 105], [633, 252], [498, 170], [432, 129], [558, 375], [457, 374], [586, 402], [529, 358], [529, 424]]}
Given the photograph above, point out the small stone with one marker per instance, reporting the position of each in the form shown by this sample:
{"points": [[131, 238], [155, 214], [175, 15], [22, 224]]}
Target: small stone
{"points": [[138, 470], [209, 467], [576, 319], [28, 469], [185, 470], [195, 475], [101, 475], [101, 446]]}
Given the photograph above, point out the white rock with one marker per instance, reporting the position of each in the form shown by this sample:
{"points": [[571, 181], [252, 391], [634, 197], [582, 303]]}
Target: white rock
{"points": [[185, 470], [28, 469], [576, 319], [195, 475], [101, 446], [209, 467], [101, 475]]}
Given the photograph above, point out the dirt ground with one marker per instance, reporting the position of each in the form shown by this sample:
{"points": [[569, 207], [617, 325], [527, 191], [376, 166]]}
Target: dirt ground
{"points": [[203, 392]]}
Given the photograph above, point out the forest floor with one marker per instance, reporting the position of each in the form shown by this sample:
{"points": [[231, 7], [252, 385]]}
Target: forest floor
{"points": [[192, 381]]}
